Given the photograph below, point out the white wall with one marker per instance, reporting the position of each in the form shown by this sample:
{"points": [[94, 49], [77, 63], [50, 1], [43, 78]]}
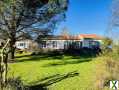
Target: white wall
{"points": [[59, 44], [22, 44]]}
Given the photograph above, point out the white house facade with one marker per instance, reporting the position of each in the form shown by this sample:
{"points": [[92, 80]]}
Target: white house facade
{"points": [[63, 42], [26, 44], [79, 41]]}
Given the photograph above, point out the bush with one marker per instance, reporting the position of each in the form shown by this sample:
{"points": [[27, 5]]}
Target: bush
{"points": [[107, 68], [15, 84], [51, 52], [85, 52], [106, 46]]}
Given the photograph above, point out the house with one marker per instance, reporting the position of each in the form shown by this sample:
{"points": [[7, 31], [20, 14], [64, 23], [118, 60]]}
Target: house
{"points": [[67, 41], [63, 42], [26, 44], [90, 40]]}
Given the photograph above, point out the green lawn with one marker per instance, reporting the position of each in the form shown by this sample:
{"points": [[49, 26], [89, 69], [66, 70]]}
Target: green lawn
{"points": [[56, 73]]}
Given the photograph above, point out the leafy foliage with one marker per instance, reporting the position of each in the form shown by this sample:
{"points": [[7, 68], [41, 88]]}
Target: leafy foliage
{"points": [[28, 17], [17, 15], [106, 45]]}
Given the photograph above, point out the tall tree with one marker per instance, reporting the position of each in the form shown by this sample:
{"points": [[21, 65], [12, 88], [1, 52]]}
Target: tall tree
{"points": [[113, 27], [29, 16]]}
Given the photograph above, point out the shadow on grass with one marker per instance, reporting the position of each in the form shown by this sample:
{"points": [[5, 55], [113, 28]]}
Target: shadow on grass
{"points": [[83, 53], [39, 57], [67, 62], [77, 59], [22, 56], [44, 56], [43, 83]]}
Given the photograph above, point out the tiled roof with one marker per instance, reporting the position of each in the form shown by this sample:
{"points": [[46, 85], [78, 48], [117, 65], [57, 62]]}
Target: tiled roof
{"points": [[76, 37], [93, 36], [65, 37]]}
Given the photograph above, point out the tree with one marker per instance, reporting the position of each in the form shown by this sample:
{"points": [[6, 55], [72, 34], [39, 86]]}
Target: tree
{"points": [[113, 27], [106, 45], [43, 34], [4, 64], [65, 31], [29, 16], [107, 41]]}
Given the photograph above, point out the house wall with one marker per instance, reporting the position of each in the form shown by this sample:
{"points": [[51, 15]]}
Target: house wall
{"points": [[57, 44], [90, 43], [26, 44], [54, 44], [60, 44], [22, 44]]}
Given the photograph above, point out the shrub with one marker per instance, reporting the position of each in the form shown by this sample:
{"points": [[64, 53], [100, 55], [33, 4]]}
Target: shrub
{"points": [[106, 46], [15, 84], [106, 70], [101, 73]]}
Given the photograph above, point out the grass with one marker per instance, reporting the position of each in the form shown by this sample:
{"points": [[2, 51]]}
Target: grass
{"points": [[55, 73]]}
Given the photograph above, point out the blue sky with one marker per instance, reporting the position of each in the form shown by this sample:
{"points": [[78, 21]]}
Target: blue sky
{"points": [[87, 16]]}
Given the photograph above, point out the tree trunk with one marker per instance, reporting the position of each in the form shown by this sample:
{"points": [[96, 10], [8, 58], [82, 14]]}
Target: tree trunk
{"points": [[11, 55], [4, 66]]}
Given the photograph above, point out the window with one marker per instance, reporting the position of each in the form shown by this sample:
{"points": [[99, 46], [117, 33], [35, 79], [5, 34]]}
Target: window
{"points": [[54, 44], [43, 44], [21, 44], [94, 44]]}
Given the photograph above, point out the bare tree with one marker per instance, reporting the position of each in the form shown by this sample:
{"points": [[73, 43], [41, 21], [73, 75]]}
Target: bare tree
{"points": [[4, 65], [113, 27]]}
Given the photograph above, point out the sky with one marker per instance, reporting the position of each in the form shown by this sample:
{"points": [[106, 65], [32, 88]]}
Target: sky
{"points": [[87, 17]]}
